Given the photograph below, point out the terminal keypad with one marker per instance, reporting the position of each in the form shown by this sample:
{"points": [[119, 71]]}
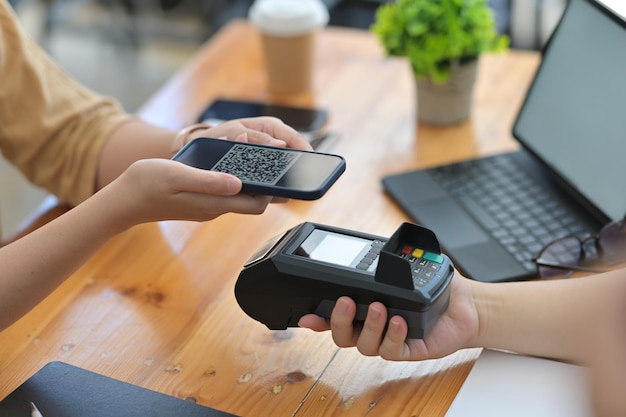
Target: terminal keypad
{"points": [[425, 266]]}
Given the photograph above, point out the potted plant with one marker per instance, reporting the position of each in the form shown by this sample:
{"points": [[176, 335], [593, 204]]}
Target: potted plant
{"points": [[443, 40]]}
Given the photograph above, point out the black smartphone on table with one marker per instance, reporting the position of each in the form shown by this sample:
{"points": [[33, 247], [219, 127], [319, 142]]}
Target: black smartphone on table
{"points": [[301, 119], [266, 170]]}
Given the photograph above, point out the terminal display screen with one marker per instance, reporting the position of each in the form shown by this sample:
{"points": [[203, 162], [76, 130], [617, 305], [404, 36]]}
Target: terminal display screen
{"points": [[334, 248]]}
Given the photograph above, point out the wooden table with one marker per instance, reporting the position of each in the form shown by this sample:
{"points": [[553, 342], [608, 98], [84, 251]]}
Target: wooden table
{"points": [[155, 307]]}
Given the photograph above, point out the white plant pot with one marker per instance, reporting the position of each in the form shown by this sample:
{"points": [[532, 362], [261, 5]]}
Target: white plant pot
{"points": [[449, 103]]}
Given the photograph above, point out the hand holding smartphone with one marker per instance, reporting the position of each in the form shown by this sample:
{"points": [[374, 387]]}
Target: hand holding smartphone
{"points": [[266, 170]]}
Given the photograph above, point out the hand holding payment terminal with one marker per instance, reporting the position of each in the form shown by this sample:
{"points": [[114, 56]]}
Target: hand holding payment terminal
{"points": [[306, 269]]}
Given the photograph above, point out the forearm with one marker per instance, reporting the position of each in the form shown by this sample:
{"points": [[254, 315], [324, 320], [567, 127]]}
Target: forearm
{"points": [[554, 319], [36, 264], [608, 363]]}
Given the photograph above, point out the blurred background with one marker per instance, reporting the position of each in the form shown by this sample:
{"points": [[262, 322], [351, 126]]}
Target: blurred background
{"points": [[129, 48]]}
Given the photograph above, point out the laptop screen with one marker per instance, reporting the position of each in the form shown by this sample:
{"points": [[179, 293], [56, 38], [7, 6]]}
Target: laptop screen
{"points": [[574, 116]]}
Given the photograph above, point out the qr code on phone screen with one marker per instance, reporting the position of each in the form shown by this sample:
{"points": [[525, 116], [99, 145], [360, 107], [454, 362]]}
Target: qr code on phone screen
{"points": [[252, 164]]}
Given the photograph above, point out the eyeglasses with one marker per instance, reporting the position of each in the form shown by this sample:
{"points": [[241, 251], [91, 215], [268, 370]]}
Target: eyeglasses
{"points": [[561, 257]]}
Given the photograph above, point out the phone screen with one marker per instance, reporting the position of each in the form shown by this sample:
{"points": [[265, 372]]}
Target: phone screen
{"points": [[266, 170], [300, 118]]}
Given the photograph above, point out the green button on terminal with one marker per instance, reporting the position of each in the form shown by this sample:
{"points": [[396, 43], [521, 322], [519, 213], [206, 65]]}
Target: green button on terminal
{"points": [[433, 257]]}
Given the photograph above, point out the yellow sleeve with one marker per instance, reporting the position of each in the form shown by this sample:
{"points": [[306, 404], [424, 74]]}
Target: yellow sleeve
{"points": [[51, 128]]}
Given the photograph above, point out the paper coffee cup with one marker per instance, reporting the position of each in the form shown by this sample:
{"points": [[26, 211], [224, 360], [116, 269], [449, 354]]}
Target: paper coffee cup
{"points": [[288, 30]]}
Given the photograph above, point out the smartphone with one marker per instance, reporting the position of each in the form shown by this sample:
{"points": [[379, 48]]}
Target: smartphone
{"points": [[300, 118], [266, 170]]}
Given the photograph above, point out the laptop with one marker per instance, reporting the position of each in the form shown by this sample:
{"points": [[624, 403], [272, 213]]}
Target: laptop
{"points": [[494, 214]]}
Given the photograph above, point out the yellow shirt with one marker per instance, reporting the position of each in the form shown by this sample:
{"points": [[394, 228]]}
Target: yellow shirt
{"points": [[51, 128]]}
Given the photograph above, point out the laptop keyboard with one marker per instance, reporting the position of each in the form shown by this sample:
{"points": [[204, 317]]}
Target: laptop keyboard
{"points": [[514, 209]]}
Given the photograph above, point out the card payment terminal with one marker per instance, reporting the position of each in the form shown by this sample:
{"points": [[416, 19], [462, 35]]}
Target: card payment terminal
{"points": [[306, 269]]}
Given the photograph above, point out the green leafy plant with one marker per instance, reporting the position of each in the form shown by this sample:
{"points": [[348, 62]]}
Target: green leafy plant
{"points": [[435, 35]]}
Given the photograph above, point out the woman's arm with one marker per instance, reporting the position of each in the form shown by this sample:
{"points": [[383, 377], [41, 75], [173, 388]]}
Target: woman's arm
{"points": [[149, 190], [556, 319]]}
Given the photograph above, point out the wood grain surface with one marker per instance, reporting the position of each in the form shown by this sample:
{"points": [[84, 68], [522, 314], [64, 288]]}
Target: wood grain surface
{"points": [[155, 307]]}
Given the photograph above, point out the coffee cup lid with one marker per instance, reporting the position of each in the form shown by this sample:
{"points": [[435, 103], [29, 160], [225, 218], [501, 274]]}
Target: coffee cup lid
{"points": [[288, 17]]}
